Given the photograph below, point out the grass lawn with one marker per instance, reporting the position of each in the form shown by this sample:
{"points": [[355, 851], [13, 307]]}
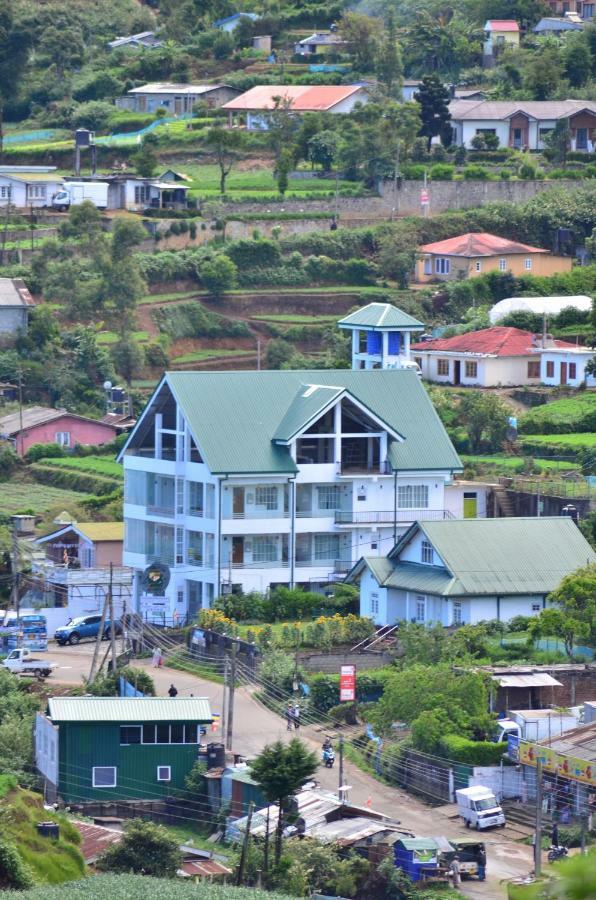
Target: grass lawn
{"points": [[97, 465], [200, 355], [195, 836], [110, 337], [564, 413], [289, 319], [516, 462], [166, 298], [19, 497], [583, 439], [205, 182]]}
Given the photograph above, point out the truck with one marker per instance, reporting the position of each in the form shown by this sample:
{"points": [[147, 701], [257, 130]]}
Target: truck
{"points": [[23, 662], [74, 192], [479, 808], [536, 724]]}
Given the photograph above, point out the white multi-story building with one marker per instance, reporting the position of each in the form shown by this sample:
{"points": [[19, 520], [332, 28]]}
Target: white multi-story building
{"points": [[243, 480]]}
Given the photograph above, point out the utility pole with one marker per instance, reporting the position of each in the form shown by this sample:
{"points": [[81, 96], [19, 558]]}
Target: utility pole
{"points": [[112, 625], [224, 705], [242, 865], [15, 565], [538, 831], [231, 688], [341, 769], [20, 411], [584, 824], [266, 849], [102, 626]]}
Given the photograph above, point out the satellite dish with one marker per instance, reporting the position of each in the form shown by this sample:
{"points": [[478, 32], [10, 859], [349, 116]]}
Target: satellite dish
{"points": [[107, 385]]}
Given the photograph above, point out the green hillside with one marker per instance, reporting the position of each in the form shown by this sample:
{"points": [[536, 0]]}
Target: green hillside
{"points": [[138, 887]]}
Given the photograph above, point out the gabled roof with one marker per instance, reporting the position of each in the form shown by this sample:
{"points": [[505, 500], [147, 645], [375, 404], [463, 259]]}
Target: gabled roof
{"points": [[129, 709], [500, 340], [553, 23], [496, 556], [142, 37], [302, 97], [92, 531], [234, 16], [380, 317], [478, 243], [498, 110], [95, 839], [501, 25], [308, 404], [220, 406], [323, 37], [170, 87], [39, 415], [13, 292]]}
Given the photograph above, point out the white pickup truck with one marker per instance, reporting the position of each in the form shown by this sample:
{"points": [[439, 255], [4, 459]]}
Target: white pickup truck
{"points": [[22, 662]]}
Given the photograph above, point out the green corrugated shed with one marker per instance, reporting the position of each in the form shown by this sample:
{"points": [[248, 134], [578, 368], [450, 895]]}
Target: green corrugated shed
{"points": [[130, 709], [234, 416], [381, 317]]}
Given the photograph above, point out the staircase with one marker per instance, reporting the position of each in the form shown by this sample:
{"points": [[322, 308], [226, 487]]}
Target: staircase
{"points": [[382, 639], [503, 501], [524, 814]]}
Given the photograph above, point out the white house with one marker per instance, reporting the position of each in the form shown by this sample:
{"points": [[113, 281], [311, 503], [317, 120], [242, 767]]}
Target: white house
{"points": [[243, 480], [523, 124], [259, 101], [381, 336], [16, 304], [229, 23], [466, 571], [176, 99], [560, 366], [28, 186]]}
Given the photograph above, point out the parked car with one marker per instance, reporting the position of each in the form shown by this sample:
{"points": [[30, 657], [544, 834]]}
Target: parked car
{"points": [[84, 627]]}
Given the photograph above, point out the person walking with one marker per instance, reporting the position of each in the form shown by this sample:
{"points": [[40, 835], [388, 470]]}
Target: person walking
{"points": [[156, 658], [296, 716], [173, 691], [554, 835], [289, 716], [456, 872], [481, 863]]}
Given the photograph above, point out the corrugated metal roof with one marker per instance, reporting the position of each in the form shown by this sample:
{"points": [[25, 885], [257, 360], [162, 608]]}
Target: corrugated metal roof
{"points": [[129, 709], [301, 97], [34, 415], [426, 579], [308, 404], [221, 405], [500, 340], [95, 839], [479, 243], [418, 843], [579, 743], [497, 110], [536, 679], [380, 316], [501, 25], [168, 87]]}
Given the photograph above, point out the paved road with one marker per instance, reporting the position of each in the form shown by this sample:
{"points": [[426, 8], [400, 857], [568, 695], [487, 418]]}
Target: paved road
{"points": [[255, 726]]}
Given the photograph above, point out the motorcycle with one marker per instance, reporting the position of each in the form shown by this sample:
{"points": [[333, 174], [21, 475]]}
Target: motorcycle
{"points": [[556, 853], [329, 757]]}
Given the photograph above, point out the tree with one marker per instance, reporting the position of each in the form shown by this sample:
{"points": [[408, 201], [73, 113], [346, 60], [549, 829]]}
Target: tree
{"points": [[218, 275], [389, 67], [95, 115], [128, 357], [145, 849], [542, 73], [558, 141], [556, 623], [433, 98], [362, 34], [484, 417], [280, 770], [283, 167], [577, 59], [14, 51], [145, 160], [224, 143], [282, 125], [323, 149], [279, 351], [576, 597]]}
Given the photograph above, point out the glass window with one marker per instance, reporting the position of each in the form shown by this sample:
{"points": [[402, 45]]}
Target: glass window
{"points": [[329, 495], [191, 733], [428, 266], [264, 549], [194, 550], [163, 734], [572, 370], [471, 369], [536, 608], [457, 612], [420, 608], [374, 604], [164, 773], [550, 368], [527, 263], [148, 734], [177, 733], [478, 265], [130, 734], [442, 266], [534, 368], [412, 496], [195, 498], [326, 547], [502, 265], [427, 553], [266, 497], [104, 776], [443, 367]]}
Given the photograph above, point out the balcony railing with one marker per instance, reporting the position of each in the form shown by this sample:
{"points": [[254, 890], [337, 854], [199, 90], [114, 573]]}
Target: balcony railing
{"points": [[168, 453], [388, 516], [381, 468], [258, 514], [261, 564], [166, 511]]}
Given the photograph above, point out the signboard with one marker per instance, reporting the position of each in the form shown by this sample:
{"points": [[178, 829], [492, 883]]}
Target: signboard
{"points": [[423, 197], [156, 578], [565, 766], [513, 747], [347, 684]]}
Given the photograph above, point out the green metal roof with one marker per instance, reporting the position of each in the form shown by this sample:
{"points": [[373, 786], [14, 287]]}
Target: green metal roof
{"points": [[129, 709], [381, 316], [310, 402], [419, 843], [425, 579], [235, 416]]}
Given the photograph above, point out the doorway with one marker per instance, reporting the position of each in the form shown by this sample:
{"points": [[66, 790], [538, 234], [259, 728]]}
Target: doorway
{"points": [[470, 504], [457, 371], [238, 502], [517, 138], [237, 551], [563, 373]]}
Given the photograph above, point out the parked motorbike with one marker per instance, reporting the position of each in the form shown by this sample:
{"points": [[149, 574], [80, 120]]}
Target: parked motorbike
{"points": [[329, 758], [556, 853]]}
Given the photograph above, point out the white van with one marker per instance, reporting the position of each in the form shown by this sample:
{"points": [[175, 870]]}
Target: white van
{"points": [[479, 808]]}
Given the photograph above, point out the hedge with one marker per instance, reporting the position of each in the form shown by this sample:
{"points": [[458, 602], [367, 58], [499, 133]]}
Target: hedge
{"points": [[474, 753], [74, 481], [324, 689], [193, 320]]}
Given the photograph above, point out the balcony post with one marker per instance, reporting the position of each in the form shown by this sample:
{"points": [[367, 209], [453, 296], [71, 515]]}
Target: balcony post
{"points": [[292, 547], [394, 507]]}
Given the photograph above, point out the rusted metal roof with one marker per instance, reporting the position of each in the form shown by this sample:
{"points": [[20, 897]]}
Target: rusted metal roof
{"points": [[95, 839], [207, 868]]}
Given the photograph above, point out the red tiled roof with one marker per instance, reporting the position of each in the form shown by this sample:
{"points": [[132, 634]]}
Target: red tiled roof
{"points": [[503, 25], [95, 839], [302, 97], [478, 244], [497, 341]]}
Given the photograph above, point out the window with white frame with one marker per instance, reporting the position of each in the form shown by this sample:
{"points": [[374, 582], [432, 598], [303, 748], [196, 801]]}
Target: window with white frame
{"points": [[329, 495], [103, 776], [502, 265], [164, 773], [4, 192], [374, 604], [62, 438], [427, 552], [420, 608], [478, 265], [264, 549], [195, 498], [326, 546], [412, 496], [457, 613], [442, 266], [266, 496], [528, 263], [471, 369], [443, 367], [179, 546]]}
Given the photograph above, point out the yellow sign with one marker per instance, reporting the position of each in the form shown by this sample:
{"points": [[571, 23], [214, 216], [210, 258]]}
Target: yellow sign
{"points": [[565, 766]]}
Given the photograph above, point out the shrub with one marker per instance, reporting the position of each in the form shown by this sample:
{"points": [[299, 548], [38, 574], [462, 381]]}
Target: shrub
{"points": [[519, 623], [476, 173], [473, 753], [9, 461], [44, 451], [193, 320], [254, 254], [442, 172], [155, 355], [218, 275], [241, 606]]}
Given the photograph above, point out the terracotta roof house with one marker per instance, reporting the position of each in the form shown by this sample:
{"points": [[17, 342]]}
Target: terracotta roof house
{"points": [[485, 358], [259, 100], [476, 253], [523, 124], [43, 425], [15, 304]]}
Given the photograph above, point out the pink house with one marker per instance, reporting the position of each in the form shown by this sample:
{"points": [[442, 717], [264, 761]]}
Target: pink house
{"points": [[42, 425]]}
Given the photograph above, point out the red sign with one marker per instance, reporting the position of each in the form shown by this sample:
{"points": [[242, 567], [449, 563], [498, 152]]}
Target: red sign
{"points": [[347, 683], [423, 197]]}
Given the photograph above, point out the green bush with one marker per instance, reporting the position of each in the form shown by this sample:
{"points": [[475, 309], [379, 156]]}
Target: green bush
{"points": [[473, 753], [473, 172], [44, 451], [324, 689], [193, 320], [73, 480], [519, 623], [261, 253], [442, 172], [566, 416]]}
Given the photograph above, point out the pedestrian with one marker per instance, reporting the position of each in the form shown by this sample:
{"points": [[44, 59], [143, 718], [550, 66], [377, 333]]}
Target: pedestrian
{"points": [[289, 716], [156, 658], [296, 716], [456, 872], [554, 835], [481, 864], [173, 692]]}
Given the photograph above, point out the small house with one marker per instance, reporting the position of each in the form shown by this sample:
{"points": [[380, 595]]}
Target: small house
{"points": [[558, 25], [83, 545], [15, 305], [257, 102], [176, 99], [499, 35], [560, 366], [27, 187], [43, 425], [320, 42], [381, 336], [144, 40], [229, 23], [118, 748], [465, 571]]}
